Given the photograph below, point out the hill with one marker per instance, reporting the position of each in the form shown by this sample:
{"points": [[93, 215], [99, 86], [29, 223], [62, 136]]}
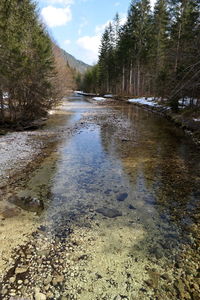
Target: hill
{"points": [[77, 65]]}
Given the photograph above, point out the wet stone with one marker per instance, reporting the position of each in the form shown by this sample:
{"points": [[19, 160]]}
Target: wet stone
{"points": [[109, 212], [121, 197], [131, 207], [157, 252]]}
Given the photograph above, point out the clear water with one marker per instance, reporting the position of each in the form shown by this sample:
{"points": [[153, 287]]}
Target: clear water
{"points": [[147, 172]]}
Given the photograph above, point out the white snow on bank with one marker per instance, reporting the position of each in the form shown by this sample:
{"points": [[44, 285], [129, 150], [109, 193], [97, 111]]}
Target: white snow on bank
{"points": [[108, 96], [78, 92], [145, 101], [99, 98], [187, 101]]}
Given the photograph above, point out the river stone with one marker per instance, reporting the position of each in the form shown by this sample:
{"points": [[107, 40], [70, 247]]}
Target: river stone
{"points": [[131, 207], [27, 203], [122, 196], [179, 285], [21, 270], [157, 251], [12, 279], [109, 212], [47, 280], [58, 279], [38, 295]]}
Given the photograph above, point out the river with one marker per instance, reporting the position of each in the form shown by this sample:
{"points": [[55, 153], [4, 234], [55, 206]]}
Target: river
{"points": [[121, 196]]}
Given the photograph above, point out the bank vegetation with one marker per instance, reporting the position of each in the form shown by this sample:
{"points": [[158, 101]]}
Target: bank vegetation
{"points": [[156, 53], [33, 75]]}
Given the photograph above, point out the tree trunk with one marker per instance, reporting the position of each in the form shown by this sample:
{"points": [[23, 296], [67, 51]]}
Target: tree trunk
{"points": [[2, 107], [123, 79], [138, 79], [177, 48], [130, 78]]}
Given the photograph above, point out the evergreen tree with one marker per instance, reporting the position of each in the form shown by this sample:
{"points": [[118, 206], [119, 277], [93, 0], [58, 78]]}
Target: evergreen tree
{"points": [[26, 61], [154, 53], [160, 45]]}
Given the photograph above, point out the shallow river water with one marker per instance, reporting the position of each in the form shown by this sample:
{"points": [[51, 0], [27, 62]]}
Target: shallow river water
{"points": [[121, 198]]}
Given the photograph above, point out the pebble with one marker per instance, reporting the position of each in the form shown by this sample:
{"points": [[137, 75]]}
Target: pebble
{"points": [[50, 295], [47, 280], [19, 281], [39, 296], [21, 270], [12, 279]]}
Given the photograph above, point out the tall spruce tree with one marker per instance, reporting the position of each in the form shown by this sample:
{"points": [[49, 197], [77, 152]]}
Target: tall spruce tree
{"points": [[159, 49]]}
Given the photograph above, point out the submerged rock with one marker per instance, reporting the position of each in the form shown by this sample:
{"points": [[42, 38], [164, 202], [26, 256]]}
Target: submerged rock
{"points": [[131, 207], [109, 212], [122, 196], [27, 203]]}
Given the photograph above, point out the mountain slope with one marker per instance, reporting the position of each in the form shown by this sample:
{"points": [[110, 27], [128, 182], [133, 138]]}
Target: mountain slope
{"points": [[74, 63], [65, 75]]}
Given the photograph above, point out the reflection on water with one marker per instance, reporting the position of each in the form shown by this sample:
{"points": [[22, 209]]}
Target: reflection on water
{"points": [[130, 198]]}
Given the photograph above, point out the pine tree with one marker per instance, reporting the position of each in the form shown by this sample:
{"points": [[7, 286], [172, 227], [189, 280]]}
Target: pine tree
{"points": [[26, 60], [160, 45]]}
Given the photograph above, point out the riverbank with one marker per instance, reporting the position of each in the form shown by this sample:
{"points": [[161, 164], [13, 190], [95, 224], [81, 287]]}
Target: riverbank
{"points": [[187, 118]]}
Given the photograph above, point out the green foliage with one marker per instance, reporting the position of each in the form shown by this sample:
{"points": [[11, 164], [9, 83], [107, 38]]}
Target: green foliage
{"points": [[155, 53], [90, 79], [26, 60]]}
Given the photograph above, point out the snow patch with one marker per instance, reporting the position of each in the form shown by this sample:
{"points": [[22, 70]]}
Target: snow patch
{"points": [[187, 101], [145, 101], [108, 96], [99, 98], [196, 120]]}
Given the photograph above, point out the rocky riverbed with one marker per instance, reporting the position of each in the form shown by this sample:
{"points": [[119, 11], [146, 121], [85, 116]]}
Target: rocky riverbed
{"points": [[120, 207]]}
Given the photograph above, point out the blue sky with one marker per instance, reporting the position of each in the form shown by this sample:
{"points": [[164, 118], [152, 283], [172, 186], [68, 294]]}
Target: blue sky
{"points": [[77, 25]]}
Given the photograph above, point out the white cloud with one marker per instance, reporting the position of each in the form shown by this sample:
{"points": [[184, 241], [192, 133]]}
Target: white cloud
{"points": [[67, 42], [117, 4], [54, 16], [99, 29], [90, 47], [82, 25]]}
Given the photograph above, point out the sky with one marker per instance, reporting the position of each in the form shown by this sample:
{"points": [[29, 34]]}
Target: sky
{"points": [[77, 25]]}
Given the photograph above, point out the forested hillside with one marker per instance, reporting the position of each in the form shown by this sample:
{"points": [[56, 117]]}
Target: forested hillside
{"points": [[30, 68], [78, 65], [156, 53], [65, 75]]}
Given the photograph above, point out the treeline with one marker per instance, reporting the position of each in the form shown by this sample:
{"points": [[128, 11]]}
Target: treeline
{"points": [[155, 53], [28, 78]]}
